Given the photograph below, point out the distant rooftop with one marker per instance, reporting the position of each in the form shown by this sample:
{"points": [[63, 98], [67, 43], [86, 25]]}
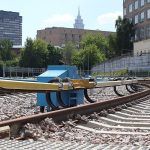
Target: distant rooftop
{"points": [[7, 13]]}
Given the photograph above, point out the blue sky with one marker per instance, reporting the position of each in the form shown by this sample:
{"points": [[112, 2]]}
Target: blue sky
{"points": [[39, 14]]}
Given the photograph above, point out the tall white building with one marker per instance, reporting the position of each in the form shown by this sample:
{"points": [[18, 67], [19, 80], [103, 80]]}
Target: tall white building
{"points": [[79, 21]]}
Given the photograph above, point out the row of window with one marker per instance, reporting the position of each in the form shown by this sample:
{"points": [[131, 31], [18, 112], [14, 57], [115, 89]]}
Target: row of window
{"points": [[134, 6], [6, 25], [72, 36], [142, 33], [141, 17]]}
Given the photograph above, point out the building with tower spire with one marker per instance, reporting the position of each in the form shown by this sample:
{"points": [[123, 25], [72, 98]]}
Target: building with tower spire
{"points": [[79, 21], [59, 36]]}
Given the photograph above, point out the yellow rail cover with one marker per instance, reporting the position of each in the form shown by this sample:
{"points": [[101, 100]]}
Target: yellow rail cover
{"points": [[35, 86], [80, 83]]}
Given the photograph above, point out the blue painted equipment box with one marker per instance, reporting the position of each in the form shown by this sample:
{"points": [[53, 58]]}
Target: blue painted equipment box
{"points": [[68, 98]]}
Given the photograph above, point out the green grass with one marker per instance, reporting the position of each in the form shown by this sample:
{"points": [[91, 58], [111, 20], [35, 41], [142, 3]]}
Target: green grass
{"points": [[114, 73]]}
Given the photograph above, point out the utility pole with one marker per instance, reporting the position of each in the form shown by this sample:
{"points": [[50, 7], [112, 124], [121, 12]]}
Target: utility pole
{"points": [[88, 65], [3, 70]]}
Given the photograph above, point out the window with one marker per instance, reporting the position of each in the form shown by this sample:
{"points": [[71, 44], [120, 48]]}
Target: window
{"points": [[130, 8], [73, 37], [80, 37], [148, 31], [148, 14], [136, 19], [142, 16], [130, 19], [142, 33], [66, 37], [142, 3], [136, 35], [124, 11], [148, 1], [136, 5]]}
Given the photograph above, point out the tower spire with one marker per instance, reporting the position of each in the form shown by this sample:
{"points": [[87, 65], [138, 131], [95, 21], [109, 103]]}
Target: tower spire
{"points": [[79, 21], [78, 11]]}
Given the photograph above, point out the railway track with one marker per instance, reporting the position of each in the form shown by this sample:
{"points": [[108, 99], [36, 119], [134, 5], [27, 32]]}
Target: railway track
{"points": [[101, 125]]}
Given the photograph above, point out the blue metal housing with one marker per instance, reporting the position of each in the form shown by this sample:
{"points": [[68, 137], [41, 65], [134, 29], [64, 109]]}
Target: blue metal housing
{"points": [[70, 98]]}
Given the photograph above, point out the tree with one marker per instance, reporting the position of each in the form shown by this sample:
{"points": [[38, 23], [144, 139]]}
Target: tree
{"points": [[26, 54], [91, 56], [93, 49], [87, 57], [54, 55], [77, 59], [6, 50], [112, 45], [68, 52], [40, 53], [125, 34], [95, 39], [34, 54]]}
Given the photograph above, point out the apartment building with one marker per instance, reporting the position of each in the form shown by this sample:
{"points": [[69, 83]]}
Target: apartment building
{"points": [[11, 27], [138, 11]]}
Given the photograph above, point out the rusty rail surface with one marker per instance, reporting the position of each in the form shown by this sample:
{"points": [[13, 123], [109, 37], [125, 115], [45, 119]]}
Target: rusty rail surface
{"points": [[145, 82], [66, 113]]}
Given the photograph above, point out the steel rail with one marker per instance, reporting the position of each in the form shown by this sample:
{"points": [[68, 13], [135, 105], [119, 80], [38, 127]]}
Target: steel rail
{"points": [[115, 83], [64, 114]]}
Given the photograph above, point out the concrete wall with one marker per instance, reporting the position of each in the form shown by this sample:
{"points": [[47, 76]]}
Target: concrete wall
{"points": [[142, 47], [135, 63]]}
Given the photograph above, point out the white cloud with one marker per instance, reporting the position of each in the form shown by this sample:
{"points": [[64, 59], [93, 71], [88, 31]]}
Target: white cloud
{"points": [[59, 20], [108, 19]]}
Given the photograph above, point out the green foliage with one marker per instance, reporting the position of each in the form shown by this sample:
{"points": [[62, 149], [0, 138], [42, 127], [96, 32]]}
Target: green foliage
{"points": [[77, 59], [125, 33], [6, 50], [114, 73], [38, 54], [91, 56], [26, 54], [112, 45], [68, 52], [95, 39], [12, 63], [92, 51], [7, 55], [54, 55], [34, 54]]}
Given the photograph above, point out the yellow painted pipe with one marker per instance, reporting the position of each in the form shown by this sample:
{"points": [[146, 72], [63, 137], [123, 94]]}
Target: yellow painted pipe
{"points": [[21, 85]]}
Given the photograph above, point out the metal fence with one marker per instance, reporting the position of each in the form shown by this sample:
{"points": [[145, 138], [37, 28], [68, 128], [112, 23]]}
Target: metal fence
{"points": [[20, 71], [130, 63]]}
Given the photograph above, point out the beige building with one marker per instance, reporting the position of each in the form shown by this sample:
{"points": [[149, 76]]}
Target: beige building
{"points": [[142, 47], [58, 36]]}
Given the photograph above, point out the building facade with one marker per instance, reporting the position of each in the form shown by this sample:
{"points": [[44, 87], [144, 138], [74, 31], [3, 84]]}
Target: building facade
{"points": [[11, 27], [58, 36], [138, 11]]}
